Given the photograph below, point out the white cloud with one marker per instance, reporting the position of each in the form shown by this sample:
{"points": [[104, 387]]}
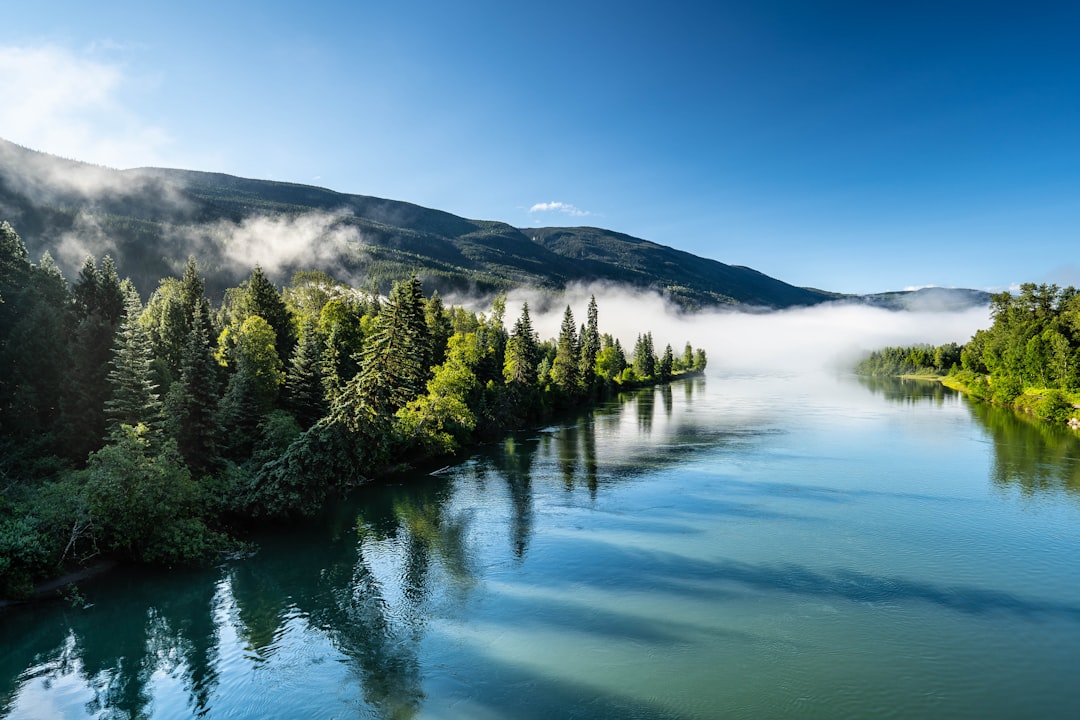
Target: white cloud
{"points": [[68, 104], [564, 208], [278, 242]]}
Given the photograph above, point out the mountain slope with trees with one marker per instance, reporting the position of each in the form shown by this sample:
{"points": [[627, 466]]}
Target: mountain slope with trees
{"points": [[150, 219]]}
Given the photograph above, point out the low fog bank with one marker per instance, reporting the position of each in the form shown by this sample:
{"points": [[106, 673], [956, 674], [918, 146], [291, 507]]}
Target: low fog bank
{"points": [[831, 336]]}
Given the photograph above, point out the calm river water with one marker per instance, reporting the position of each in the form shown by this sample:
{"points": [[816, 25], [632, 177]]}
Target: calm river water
{"points": [[736, 546]]}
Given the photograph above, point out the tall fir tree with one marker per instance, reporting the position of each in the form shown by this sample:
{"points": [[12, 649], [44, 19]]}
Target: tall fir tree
{"points": [[564, 368], [195, 419], [590, 346], [439, 328], [519, 368], [392, 370], [133, 394], [304, 396], [261, 298], [667, 362]]}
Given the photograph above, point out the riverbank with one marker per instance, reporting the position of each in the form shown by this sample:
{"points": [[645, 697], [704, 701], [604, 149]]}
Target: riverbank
{"points": [[1047, 404], [62, 585]]}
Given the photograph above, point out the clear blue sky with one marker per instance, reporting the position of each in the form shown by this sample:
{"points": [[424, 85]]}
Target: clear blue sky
{"points": [[853, 146]]}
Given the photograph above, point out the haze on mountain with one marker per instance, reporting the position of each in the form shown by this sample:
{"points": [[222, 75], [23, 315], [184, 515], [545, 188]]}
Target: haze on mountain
{"points": [[151, 219]]}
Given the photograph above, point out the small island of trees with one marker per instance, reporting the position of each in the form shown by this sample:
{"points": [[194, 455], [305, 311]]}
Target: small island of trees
{"points": [[155, 433]]}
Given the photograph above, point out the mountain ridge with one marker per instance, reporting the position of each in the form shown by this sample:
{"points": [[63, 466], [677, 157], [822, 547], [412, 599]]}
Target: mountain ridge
{"points": [[150, 219]]}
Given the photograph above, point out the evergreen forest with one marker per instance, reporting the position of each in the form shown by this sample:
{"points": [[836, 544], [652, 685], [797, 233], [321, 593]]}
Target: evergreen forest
{"points": [[1029, 358], [158, 432]]}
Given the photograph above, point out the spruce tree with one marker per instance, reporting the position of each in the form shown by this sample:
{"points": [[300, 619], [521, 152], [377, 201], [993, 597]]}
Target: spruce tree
{"points": [[438, 322], [392, 370], [590, 346], [304, 380], [133, 397], [195, 422], [261, 298], [666, 364], [564, 368]]}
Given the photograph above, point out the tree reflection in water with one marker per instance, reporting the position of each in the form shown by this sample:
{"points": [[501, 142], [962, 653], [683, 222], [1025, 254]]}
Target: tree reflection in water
{"points": [[368, 576], [1029, 454]]}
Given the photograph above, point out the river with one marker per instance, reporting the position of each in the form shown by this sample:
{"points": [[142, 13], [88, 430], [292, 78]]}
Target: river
{"points": [[737, 546]]}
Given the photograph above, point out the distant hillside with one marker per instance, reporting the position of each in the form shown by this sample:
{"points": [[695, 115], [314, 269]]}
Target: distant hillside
{"points": [[151, 219]]}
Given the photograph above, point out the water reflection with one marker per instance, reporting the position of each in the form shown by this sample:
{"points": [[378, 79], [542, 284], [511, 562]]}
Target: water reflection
{"points": [[355, 614], [908, 390], [1029, 454]]}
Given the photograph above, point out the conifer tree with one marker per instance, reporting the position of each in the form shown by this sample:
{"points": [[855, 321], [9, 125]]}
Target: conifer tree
{"points": [[195, 416], [564, 368], [590, 346], [304, 379], [261, 298], [133, 397], [522, 352], [644, 358], [667, 362], [392, 371], [438, 322]]}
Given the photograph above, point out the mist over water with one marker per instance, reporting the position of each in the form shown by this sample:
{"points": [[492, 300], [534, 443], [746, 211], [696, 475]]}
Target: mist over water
{"points": [[830, 336]]}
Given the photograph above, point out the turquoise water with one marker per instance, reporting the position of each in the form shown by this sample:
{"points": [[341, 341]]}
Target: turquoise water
{"points": [[741, 546]]}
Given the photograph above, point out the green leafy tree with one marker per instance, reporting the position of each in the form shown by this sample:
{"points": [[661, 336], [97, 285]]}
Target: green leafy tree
{"points": [[442, 420], [142, 502], [253, 386]]}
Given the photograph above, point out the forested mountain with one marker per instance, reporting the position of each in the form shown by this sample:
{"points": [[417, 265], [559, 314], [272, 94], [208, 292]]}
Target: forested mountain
{"points": [[150, 220]]}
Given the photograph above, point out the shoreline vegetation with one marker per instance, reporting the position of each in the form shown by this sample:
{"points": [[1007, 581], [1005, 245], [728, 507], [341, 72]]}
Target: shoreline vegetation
{"points": [[1028, 360], [161, 433]]}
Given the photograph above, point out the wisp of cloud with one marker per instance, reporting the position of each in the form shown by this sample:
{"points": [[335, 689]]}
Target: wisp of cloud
{"points": [[830, 336]]}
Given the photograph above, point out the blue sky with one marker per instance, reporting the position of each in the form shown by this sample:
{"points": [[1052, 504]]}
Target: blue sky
{"points": [[851, 146]]}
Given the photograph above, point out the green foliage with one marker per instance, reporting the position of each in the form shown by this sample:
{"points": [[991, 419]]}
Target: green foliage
{"points": [[913, 360], [324, 460], [1028, 358], [1054, 406], [441, 421], [23, 554], [142, 502], [373, 382], [133, 398], [564, 368], [193, 412]]}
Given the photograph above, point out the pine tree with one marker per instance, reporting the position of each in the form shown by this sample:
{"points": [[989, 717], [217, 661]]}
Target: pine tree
{"points": [[392, 372], [644, 358], [522, 352], [438, 322], [590, 346], [304, 380], [564, 369], [133, 399], [261, 298], [667, 361], [195, 419]]}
